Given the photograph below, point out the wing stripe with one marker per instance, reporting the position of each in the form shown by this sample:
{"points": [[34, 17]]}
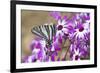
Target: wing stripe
{"points": [[45, 31], [36, 32]]}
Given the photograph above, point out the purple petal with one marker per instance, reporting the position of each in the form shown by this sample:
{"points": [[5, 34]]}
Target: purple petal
{"points": [[33, 58], [60, 39], [38, 45], [55, 15], [57, 47], [40, 55], [87, 16], [52, 58], [65, 18]]}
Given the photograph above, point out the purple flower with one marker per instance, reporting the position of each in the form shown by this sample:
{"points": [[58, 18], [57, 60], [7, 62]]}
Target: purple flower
{"points": [[56, 15], [61, 25], [56, 46], [62, 28], [85, 16], [53, 55], [78, 53], [39, 49], [29, 59], [78, 49], [82, 30], [81, 18]]}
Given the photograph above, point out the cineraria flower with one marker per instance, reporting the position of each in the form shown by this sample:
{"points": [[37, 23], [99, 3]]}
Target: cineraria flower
{"points": [[39, 49], [81, 31], [37, 44], [79, 49], [61, 25], [77, 54], [62, 28], [80, 26]]}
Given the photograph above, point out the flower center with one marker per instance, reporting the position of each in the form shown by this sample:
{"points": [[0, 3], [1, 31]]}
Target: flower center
{"points": [[60, 27], [76, 57], [66, 34], [81, 29]]}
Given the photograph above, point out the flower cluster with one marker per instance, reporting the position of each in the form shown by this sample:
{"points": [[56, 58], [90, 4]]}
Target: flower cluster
{"points": [[75, 29]]}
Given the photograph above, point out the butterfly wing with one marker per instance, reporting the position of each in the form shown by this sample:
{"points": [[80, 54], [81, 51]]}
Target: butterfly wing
{"points": [[45, 31]]}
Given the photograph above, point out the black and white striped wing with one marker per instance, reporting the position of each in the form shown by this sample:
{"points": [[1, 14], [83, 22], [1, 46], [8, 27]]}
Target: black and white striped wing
{"points": [[45, 31]]}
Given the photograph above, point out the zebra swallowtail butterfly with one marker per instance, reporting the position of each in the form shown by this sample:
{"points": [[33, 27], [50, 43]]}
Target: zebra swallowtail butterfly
{"points": [[45, 32]]}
